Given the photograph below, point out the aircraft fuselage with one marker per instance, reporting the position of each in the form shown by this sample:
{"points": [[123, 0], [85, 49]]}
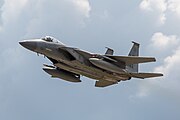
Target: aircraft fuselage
{"points": [[69, 63]]}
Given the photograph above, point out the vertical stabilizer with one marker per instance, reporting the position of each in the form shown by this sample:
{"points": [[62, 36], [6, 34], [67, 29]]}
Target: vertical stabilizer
{"points": [[109, 51], [134, 52]]}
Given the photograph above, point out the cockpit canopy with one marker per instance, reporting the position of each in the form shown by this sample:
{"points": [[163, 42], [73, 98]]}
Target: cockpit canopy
{"points": [[50, 39]]}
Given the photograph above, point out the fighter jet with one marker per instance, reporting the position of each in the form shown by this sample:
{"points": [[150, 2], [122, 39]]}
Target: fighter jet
{"points": [[69, 63]]}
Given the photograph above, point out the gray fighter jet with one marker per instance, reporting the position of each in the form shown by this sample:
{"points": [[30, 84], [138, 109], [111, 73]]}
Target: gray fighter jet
{"points": [[70, 63]]}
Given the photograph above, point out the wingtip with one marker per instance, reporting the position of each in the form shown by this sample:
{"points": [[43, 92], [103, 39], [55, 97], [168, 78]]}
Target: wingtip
{"points": [[135, 43], [161, 74], [154, 59]]}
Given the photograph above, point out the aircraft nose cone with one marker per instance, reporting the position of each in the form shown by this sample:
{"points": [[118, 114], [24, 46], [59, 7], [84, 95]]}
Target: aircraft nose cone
{"points": [[29, 45]]}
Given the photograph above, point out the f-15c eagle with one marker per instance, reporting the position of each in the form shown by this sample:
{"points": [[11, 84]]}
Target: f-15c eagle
{"points": [[70, 63]]}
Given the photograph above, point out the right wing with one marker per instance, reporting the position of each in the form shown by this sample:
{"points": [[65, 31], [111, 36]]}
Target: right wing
{"points": [[103, 83], [72, 51]]}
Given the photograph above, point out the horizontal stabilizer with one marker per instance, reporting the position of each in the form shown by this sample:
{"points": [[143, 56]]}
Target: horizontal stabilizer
{"points": [[145, 75], [103, 83], [109, 51], [129, 60]]}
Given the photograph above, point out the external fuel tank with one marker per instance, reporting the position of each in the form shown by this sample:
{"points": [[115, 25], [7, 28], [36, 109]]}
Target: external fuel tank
{"points": [[61, 74]]}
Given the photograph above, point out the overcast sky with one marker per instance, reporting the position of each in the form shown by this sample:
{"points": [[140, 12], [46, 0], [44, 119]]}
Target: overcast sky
{"points": [[28, 93]]}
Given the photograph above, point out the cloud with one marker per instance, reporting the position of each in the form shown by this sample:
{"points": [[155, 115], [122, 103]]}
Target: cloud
{"points": [[161, 8], [25, 19], [152, 5], [169, 83], [13, 10], [161, 42], [71, 16], [174, 6], [83, 6]]}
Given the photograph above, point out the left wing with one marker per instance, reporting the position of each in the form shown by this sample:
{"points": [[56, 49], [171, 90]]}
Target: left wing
{"points": [[145, 75], [103, 83], [129, 60]]}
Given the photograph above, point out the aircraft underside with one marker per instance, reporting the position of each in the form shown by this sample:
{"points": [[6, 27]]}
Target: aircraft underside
{"points": [[89, 71]]}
